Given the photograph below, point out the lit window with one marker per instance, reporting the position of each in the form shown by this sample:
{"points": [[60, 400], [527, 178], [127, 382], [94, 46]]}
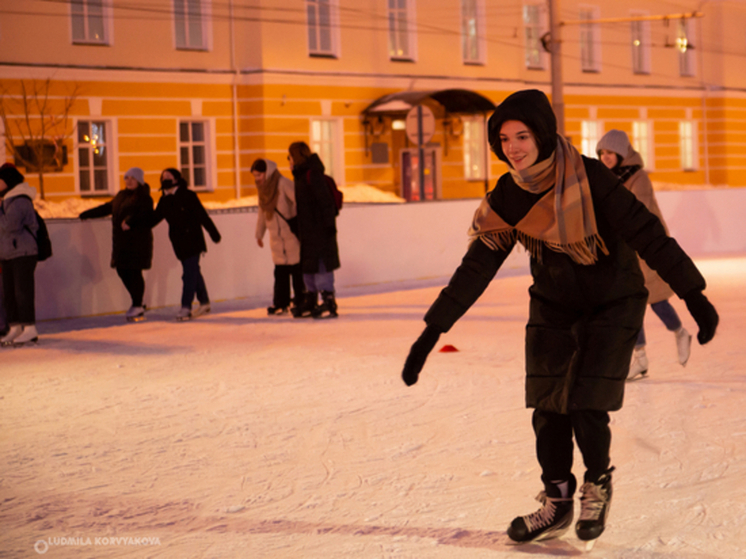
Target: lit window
{"points": [[401, 30], [684, 47], [324, 144], [640, 43], [193, 153], [88, 21], [641, 141], [687, 145], [93, 157], [472, 31], [590, 43], [189, 20], [533, 25], [321, 39], [589, 137], [475, 148]]}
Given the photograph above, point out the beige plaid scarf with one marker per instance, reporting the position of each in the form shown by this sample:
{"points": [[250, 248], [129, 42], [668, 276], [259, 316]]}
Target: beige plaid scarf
{"points": [[563, 219]]}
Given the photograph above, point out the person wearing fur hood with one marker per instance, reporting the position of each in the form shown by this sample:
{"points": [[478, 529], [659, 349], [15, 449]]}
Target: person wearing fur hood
{"points": [[616, 152], [276, 209], [18, 250]]}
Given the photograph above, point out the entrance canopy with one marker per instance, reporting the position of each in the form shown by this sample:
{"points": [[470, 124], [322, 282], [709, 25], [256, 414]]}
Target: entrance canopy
{"points": [[453, 101]]}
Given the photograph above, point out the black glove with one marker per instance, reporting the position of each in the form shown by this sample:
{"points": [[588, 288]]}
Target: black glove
{"points": [[216, 238], [704, 314], [418, 354]]}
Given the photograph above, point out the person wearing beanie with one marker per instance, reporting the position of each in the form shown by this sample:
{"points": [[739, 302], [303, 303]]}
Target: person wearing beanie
{"points": [[18, 250], [186, 216], [131, 213], [276, 211], [616, 152], [581, 228]]}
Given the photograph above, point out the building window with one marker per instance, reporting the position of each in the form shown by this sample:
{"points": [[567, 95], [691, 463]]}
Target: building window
{"points": [[533, 24], [687, 145], [322, 14], [193, 153], [401, 29], [89, 22], [683, 46], [641, 141], [324, 144], [472, 31], [590, 40], [640, 42], [189, 22], [93, 147], [475, 149], [589, 137]]}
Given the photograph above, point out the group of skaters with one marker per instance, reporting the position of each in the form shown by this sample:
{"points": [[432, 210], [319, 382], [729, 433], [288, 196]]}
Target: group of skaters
{"points": [[300, 216]]}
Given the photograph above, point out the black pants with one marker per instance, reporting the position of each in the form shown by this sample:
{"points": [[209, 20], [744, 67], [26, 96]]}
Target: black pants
{"points": [[554, 447], [19, 289], [193, 283], [283, 274], [135, 284]]}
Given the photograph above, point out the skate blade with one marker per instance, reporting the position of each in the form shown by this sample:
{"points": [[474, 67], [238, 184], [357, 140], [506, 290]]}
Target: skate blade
{"points": [[21, 344], [135, 318], [184, 318], [641, 376], [589, 545]]}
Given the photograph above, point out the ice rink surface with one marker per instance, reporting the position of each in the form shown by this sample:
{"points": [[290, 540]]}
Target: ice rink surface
{"points": [[239, 435]]}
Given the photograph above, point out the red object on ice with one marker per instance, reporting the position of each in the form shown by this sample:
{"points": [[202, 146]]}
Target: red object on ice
{"points": [[448, 348]]}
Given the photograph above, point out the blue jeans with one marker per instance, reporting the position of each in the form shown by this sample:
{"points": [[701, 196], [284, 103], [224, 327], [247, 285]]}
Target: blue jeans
{"points": [[667, 314], [194, 283], [320, 281]]}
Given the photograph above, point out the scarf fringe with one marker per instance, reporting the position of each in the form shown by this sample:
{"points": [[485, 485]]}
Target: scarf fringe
{"points": [[584, 252]]}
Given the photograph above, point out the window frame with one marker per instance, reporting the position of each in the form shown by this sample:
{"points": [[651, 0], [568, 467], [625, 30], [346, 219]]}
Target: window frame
{"points": [[479, 41], [641, 143], [533, 44], [204, 24], [589, 39], [687, 61], [209, 151], [410, 21], [690, 155], [110, 145], [639, 32], [336, 167], [106, 24], [588, 142], [333, 26], [480, 153]]}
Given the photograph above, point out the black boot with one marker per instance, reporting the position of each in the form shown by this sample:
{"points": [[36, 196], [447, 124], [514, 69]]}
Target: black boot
{"points": [[328, 306], [595, 501], [552, 519], [308, 306]]}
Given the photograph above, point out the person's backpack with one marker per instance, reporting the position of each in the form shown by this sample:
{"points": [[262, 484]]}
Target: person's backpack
{"points": [[336, 193], [43, 242]]}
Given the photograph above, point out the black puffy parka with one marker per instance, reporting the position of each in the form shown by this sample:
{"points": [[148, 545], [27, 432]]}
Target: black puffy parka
{"points": [[133, 248], [583, 319], [185, 216], [317, 213]]}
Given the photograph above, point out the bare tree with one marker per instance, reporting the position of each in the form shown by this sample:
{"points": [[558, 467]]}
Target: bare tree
{"points": [[37, 126]]}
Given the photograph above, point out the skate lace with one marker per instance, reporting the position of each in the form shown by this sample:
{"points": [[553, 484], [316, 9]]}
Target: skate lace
{"points": [[542, 517], [592, 501]]}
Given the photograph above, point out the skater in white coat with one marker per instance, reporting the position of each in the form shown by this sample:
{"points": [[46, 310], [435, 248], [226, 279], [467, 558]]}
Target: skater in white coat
{"points": [[277, 210]]}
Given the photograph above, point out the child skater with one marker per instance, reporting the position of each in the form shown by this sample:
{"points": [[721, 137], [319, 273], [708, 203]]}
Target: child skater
{"points": [[186, 216], [581, 228]]}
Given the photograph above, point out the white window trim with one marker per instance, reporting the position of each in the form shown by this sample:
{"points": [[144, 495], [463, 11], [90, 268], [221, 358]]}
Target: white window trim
{"points": [[211, 173], [645, 44], [411, 34], [649, 157], [481, 35], [543, 25], [338, 145], [334, 25], [108, 21], [206, 18], [695, 144], [112, 161], [485, 163], [595, 44], [688, 55], [588, 145]]}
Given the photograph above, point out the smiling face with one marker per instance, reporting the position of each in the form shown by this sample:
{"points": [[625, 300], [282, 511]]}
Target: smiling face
{"points": [[518, 144], [608, 158]]}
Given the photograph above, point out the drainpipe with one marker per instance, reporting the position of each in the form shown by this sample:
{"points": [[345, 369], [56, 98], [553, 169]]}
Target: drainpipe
{"points": [[234, 103]]}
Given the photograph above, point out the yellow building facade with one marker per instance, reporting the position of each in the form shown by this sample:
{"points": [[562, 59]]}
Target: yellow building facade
{"points": [[209, 87]]}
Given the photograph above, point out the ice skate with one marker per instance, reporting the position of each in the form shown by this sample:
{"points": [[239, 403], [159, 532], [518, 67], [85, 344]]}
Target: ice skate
{"points": [[683, 345], [135, 314], [307, 307], [12, 334], [553, 518], [27, 336], [201, 309], [185, 313], [638, 369], [328, 306], [595, 502], [277, 311]]}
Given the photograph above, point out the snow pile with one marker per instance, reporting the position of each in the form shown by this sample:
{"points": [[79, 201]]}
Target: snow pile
{"points": [[70, 208]]}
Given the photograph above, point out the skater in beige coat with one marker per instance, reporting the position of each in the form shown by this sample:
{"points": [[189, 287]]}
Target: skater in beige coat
{"points": [[616, 152], [277, 211]]}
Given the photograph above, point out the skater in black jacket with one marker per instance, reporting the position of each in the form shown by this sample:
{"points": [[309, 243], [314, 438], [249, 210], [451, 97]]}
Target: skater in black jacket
{"points": [[186, 216], [581, 227]]}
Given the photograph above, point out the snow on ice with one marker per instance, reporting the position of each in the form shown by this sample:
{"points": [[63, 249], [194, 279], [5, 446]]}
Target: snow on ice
{"points": [[239, 435]]}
